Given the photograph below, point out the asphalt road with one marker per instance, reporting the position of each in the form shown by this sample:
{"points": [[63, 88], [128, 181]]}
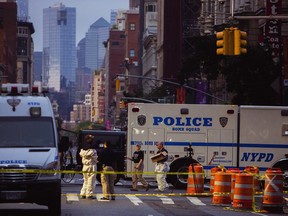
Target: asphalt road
{"points": [[150, 203]]}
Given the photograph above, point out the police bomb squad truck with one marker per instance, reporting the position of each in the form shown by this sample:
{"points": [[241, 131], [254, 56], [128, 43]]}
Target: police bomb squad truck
{"points": [[211, 135], [29, 162]]}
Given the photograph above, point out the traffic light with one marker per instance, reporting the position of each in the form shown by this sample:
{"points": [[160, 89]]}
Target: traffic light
{"points": [[231, 41], [225, 42], [122, 104], [117, 85], [240, 42], [221, 42]]}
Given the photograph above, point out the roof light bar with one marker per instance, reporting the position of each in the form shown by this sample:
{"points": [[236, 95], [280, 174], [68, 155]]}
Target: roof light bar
{"points": [[35, 90], [14, 90]]}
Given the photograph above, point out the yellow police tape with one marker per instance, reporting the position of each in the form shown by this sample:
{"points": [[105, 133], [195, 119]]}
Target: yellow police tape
{"points": [[152, 194], [94, 172]]}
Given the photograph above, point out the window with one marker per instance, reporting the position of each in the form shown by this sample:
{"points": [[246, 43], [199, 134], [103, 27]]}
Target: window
{"points": [[62, 17], [132, 26], [22, 46], [115, 43], [26, 131], [132, 53], [150, 8]]}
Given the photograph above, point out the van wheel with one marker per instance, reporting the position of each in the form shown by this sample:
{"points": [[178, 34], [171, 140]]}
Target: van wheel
{"points": [[54, 203], [180, 166]]}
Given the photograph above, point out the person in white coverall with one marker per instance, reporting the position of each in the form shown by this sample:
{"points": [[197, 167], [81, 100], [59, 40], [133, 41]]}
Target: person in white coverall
{"points": [[162, 168], [89, 160]]}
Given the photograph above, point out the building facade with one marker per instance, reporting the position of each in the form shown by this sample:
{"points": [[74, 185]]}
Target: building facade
{"points": [[8, 42], [94, 48], [59, 50], [25, 50]]}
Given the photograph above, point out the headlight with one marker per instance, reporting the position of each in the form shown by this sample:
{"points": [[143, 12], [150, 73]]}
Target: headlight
{"points": [[50, 170]]}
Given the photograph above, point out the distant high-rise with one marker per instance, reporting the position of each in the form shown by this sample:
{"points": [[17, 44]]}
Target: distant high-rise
{"points": [[113, 17], [59, 50], [22, 10], [37, 66], [94, 48]]}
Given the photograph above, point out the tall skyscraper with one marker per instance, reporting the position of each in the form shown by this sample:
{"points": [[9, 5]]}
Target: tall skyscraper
{"points": [[59, 46], [37, 66], [94, 48], [22, 10]]}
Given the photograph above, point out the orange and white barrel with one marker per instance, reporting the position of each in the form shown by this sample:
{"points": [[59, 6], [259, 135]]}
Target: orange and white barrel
{"points": [[222, 188], [233, 172], [212, 176], [195, 182], [255, 171], [243, 191], [273, 191]]}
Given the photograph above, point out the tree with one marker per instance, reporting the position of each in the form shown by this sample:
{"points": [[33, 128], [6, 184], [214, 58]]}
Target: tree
{"points": [[249, 77]]}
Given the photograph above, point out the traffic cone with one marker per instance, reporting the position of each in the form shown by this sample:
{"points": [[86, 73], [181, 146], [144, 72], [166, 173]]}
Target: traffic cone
{"points": [[195, 183]]}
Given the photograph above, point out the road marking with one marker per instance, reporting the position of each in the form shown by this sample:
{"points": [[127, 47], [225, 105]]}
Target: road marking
{"points": [[135, 200], [166, 200], [72, 197], [195, 201]]}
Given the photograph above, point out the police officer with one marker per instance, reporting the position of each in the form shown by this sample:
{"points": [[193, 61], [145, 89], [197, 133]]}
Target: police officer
{"points": [[89, 161], [162, 168], [138, 159], [108, 160]]}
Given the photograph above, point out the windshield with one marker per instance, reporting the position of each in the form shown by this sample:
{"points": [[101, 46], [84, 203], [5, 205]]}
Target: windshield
{"points": [[26, 132]]}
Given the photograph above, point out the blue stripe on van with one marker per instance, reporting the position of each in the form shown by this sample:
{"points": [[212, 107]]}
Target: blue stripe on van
{"points": [[243, 145]]}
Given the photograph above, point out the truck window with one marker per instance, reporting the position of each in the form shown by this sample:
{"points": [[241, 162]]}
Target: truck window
{"points": [[26, 132]]}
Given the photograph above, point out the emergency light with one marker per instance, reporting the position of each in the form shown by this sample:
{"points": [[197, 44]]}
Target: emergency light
{"points": [[15, 89]]}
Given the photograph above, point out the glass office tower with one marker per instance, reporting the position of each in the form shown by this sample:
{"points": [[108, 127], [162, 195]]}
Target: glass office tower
{"points": [[59, 50], [94, 48]]}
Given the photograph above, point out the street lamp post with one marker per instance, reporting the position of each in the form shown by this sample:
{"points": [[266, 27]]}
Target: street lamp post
{"points": [[173, 83]]}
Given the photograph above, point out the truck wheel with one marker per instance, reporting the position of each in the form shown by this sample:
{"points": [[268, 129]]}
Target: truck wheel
{"points": [[180, 166], [283, 165], [54, 203]]}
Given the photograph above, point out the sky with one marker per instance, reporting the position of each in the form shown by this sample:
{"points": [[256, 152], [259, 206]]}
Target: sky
{"points": [[87, 12]]}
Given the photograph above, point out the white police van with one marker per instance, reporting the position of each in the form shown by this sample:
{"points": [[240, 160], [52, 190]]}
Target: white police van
{"points": [[211, 135], [29, 161]]}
